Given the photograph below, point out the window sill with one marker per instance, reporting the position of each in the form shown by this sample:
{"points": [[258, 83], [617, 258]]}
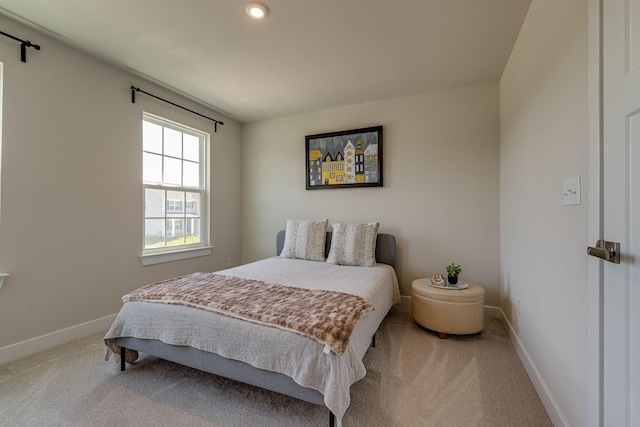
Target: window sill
{"points": [[150, 259]]}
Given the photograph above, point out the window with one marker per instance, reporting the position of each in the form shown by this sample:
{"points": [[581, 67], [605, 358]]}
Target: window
{"points": [[174, 174]]}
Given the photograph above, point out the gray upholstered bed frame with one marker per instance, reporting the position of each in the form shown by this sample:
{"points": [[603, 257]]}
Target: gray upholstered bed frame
{"points": [[240, 371]]}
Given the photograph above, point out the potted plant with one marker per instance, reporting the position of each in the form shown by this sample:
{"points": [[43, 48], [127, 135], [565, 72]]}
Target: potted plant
{"points": [[453, 270]]}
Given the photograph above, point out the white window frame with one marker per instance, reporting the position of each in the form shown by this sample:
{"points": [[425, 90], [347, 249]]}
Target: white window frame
{"points": [[177, 252]]}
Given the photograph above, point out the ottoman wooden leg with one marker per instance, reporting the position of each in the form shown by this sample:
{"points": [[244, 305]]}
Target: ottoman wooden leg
{"points": [[442, 335]]}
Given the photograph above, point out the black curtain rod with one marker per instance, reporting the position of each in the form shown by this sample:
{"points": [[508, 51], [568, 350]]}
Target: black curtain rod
{"points": [[137, 89], [24, 44]]}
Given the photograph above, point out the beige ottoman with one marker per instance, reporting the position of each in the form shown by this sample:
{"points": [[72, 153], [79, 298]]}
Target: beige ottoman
{"points": [[448, 311]]}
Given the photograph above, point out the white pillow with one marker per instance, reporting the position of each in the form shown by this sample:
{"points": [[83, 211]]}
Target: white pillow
{"points": [[354, 244], [305, 239]]}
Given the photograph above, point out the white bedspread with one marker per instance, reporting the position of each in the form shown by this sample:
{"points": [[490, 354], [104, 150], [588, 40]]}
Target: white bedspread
{"points": [[269, 348]]}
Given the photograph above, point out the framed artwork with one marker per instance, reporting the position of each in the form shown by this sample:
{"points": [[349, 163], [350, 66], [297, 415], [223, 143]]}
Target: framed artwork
{"points": [[345, 159]]}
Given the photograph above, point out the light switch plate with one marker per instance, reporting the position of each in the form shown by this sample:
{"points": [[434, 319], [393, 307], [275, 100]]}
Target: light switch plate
{"points": [[571, 193]]}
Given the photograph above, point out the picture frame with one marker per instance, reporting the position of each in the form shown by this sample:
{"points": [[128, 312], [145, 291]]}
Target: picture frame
{"points": [[344, 159]]}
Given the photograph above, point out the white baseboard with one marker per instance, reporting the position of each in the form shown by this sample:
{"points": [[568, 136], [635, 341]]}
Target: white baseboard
{"points": [[550, 404], [31, 346], [405, 301], [493, 312]]}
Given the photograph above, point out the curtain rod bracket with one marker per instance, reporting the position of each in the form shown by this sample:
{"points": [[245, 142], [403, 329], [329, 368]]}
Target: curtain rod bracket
{"points": [[137, 89], [24, 44]]}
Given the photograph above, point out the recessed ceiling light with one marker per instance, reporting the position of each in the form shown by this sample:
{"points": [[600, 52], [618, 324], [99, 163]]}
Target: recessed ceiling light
{"points": [[257, 10]]}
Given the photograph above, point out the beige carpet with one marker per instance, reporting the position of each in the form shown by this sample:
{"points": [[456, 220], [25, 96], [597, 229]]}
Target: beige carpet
{"points": [[413, 379]]}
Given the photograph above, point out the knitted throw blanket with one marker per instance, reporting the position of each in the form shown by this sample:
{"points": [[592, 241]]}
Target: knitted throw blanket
{"points": [[327, 316]]}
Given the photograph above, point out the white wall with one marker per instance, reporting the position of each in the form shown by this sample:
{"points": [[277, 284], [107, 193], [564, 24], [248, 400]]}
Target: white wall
{"points": [[543, 141], [441, 181], [72, 207]]}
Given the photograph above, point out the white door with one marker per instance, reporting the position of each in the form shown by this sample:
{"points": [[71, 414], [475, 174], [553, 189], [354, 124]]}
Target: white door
{"points": [[621, 212]]}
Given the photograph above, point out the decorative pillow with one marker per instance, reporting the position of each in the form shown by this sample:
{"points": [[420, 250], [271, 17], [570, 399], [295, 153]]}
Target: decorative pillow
{"points": [[305, 240], [354, 244]]}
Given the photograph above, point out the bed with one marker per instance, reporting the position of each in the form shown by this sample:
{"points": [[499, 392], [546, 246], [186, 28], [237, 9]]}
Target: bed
{"points": [[273, 358]]}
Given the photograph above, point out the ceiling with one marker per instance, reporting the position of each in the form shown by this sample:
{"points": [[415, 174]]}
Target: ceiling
{"points": [[304, 56]]}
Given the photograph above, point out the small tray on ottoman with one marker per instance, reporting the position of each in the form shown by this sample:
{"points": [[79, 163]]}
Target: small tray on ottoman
{"points": [[459, 285]]}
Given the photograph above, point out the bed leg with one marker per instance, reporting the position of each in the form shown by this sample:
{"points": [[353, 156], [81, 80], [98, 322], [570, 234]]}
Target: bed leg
{"points": [[123, 351], [332, 419]]}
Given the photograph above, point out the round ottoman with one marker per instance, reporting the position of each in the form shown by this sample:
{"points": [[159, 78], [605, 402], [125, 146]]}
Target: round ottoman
{"points": [[448, 311]]}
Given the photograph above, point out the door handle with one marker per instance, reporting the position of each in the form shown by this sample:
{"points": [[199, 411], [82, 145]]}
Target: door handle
{"points": [[608, 251]]}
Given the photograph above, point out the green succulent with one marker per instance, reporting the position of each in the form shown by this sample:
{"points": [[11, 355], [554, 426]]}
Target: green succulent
{"points": [[454, 269]]}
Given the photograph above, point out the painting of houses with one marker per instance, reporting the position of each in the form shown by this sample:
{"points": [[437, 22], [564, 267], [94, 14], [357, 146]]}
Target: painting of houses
{"points": [[344, 159]]}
